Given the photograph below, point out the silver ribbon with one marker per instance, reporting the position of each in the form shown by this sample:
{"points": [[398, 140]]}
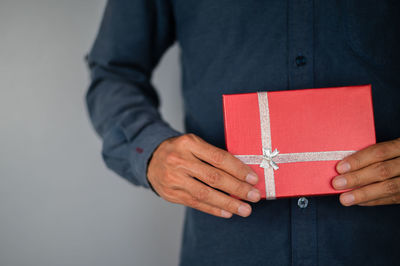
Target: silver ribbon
{"points": [[269, 160]]}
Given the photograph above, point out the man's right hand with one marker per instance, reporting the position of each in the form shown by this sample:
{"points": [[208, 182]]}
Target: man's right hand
{"points": [[181, 167]]}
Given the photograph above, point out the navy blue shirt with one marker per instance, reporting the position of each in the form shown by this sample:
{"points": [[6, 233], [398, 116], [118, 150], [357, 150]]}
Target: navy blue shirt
{"points": [[232, 46]]}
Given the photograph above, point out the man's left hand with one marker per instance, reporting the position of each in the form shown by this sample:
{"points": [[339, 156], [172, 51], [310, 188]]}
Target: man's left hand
{"points": [[373, 173]]}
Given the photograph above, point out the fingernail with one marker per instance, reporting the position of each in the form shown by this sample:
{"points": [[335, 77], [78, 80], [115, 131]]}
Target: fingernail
{"points": [[339, 182], [343, 167], [244, 210], [226, 214], [253, 195], [252, 178], [348, 198]]}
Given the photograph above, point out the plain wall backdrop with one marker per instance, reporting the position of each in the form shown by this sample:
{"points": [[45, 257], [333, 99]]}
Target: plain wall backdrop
{"points": [[59, 204]]}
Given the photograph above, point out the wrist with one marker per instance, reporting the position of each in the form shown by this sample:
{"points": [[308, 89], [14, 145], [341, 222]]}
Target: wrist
{"points": [[147, 177]]}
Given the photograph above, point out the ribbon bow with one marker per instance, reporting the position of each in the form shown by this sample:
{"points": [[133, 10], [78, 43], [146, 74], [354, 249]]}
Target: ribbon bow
{"points": [[267, 159]]}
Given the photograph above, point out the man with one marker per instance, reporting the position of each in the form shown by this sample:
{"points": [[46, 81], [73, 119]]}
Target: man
{"points": [[245, 46]]}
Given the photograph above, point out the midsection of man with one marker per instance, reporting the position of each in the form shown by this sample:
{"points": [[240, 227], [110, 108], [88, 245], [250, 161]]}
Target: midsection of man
{"points": [[232, 46]]}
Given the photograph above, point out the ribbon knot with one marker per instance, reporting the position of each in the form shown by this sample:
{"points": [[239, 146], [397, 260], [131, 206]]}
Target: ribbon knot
{"points": [[267, 159]]}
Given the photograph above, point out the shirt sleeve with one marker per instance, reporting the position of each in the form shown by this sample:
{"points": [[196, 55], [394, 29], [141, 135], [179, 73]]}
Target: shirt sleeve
{"points": [[121, 101]]}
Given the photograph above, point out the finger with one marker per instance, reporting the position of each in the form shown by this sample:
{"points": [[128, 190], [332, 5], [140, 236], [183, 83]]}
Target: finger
{"points": [[223, 181], [371, 192], [395, 199], [372, 154], [376, 172], [206, 194], [223, 160], [183, 197]]}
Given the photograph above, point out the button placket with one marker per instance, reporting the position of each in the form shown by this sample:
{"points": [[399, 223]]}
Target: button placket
{"points": [[300, 59]]}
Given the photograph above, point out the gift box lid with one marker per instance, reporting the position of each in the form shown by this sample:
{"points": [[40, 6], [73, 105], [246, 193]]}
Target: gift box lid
{"points": [[301, 121]]}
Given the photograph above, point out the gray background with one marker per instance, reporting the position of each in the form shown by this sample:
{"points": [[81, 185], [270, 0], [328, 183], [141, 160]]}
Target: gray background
{"points": [[59, 205]]}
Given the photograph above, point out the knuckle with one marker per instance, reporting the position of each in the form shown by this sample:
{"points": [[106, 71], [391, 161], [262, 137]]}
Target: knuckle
{"points": [[195, 138], [383, 170], [185, 139], [380, 151], [230, 205], [361, 195], [169, 195], [395, 144], [240, 190], [191, 136], [214, 178], [354, 179], [391, 187], [355, 161], [193, 202], [217, 156], [395, 199], [202, 194]]}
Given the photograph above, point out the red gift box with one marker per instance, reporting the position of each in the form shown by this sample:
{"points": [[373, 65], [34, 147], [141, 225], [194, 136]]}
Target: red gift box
{"points": [[293, 139]]}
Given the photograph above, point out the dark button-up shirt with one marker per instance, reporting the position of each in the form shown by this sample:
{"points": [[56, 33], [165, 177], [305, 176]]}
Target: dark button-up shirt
{"points": [[231, 46]]}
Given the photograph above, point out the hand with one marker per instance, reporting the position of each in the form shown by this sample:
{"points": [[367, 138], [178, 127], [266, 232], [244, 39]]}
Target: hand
{"points": [[187, 170], [372, 173]]}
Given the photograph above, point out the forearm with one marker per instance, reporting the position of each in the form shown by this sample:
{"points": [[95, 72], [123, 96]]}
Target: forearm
{"points": [[130, 126]]}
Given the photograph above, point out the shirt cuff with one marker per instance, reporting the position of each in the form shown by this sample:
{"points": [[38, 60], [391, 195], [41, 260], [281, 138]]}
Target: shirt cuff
{"points": [[142, 148]]}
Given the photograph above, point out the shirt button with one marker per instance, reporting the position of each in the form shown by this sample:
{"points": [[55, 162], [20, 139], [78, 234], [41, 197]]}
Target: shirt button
{"points": [[302, 202], [301, 60]]}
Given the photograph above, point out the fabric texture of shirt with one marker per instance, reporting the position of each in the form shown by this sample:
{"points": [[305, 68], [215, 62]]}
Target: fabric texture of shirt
{"points": [[231, 46]]}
